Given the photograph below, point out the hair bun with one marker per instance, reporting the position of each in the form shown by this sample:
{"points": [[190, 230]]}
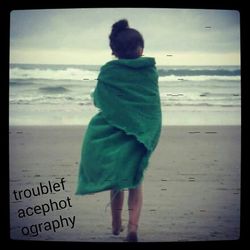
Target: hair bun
{"points": [[119, 26]]}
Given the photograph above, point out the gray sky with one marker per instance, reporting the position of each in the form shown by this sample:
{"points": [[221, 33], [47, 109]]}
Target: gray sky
{"points": [[80, 36]]}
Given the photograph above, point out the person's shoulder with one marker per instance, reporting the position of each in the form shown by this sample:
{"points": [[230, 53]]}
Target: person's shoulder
{"points": [[108, 64]]}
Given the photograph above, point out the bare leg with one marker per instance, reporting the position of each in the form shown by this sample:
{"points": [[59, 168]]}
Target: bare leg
{"points": [[134, 206], [116, 210]]}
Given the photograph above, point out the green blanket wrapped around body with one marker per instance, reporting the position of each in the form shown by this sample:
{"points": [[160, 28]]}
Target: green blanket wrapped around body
{"points": [[121, 137]]}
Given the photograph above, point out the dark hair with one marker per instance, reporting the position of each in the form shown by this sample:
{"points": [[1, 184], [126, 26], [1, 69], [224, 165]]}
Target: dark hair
{"points": [[125, 41]]}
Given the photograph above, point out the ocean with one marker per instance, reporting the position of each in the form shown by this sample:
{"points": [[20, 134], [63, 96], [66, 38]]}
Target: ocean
{"points": [[60, 94]]}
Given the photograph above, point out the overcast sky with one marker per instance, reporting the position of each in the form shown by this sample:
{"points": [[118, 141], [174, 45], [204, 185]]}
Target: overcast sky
{"points": [[80, 36]]}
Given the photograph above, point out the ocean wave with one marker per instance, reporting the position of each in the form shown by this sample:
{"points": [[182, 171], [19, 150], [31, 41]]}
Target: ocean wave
{"points": [[20, 83], [90, 103], [166, 100], [199, 72], [203, 104], [54, 74], [57, 89], [209, 94], [207, 100], [198, 78], [58, 100]]}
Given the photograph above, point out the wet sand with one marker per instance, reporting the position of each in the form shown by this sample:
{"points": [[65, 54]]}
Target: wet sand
{"points": [[191, 187]]}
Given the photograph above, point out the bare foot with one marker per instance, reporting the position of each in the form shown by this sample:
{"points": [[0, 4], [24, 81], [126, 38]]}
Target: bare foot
{"points": [[132, 233], [116, 229], [132, 237]]}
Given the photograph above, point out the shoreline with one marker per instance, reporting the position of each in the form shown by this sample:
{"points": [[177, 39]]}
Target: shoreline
{"points": [[85, 125]]}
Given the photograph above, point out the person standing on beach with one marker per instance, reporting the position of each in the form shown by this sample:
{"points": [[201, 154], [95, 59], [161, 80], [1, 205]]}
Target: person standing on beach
{"points": [[121, 138]]}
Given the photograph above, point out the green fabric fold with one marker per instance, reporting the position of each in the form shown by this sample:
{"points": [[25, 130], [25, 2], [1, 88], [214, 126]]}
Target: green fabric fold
{"points": [[120, 139]]}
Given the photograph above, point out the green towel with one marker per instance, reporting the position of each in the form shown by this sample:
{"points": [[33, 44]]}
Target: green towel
{"points": [[121, 137]]}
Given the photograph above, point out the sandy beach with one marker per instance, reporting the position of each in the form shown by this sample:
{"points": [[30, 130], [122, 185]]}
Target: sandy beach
{"points": [[191, 187]]}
